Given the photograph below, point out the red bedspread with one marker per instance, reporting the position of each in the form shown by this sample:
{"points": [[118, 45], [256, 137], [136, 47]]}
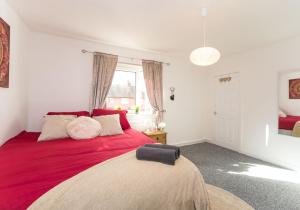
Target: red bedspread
{"points": [[288, 122], [29, 169]]}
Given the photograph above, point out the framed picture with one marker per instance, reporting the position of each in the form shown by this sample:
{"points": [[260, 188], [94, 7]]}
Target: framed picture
{"points": [[4, 53], [294, 88]]}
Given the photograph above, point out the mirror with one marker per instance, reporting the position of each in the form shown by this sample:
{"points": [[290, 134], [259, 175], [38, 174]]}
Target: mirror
{"points": [[289, 103]]}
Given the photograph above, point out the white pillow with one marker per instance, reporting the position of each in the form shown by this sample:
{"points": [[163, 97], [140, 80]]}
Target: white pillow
{"points": [[110, 124], [55, 127], [84, 128], [281, 113]]}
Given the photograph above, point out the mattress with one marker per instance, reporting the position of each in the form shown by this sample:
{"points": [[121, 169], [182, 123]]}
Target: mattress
{"points": [[28, 168]]}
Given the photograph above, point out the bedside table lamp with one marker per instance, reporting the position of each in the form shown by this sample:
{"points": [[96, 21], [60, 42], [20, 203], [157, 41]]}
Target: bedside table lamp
{"points": [[161, 126]]}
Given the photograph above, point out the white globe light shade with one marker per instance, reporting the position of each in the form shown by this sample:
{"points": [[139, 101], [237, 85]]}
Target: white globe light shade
{"points": [[205, 56]]}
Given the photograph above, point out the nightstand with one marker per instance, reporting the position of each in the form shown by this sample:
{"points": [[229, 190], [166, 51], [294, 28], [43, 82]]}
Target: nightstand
{"points": [[158, 136]]}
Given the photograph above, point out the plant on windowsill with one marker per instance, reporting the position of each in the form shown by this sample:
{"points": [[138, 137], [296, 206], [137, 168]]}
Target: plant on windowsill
{"points": [[137, 109]]}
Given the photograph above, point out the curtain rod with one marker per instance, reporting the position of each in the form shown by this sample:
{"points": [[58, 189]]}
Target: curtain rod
{"points": [[131, 58]]}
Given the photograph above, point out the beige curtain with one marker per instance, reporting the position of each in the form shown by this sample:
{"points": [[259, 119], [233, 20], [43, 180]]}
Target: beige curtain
{"points": [[154, 85], [103, 72]]}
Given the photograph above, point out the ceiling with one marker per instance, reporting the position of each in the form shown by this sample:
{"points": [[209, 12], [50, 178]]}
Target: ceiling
{"points": [[171, 26]]}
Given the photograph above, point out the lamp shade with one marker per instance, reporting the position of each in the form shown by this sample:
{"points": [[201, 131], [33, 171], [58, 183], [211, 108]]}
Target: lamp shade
{"points": [[205, 56]]}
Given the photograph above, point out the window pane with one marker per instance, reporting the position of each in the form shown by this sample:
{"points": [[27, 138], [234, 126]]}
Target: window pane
{"points": [[123, 85], [123, 90], [128, 90]]}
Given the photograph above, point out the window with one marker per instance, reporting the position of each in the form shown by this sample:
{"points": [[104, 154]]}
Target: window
{"points": [[128, 90]]}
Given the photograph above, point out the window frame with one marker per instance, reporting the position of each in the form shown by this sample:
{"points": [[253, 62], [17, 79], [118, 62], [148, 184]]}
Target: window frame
{"points": [[135, 82], [134, 68]]}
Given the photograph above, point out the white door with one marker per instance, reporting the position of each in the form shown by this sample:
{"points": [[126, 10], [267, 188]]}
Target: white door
{"points": [[227, 111]]}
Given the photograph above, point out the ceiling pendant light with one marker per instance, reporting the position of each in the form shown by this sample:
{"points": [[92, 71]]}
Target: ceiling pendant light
{"points": [[205, 56]]}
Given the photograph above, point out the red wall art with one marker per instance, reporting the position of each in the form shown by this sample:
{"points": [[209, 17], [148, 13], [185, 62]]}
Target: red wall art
{"points": [[4, 53], [294, 88]]}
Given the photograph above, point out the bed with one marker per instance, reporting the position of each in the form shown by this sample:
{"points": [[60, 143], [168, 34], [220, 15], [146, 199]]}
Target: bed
{"points": [[30, 169], [289, 125], [125, 183], [98, 173]]}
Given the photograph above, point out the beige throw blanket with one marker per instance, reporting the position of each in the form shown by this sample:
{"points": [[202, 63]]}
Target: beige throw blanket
{"points": [[126, 183]]}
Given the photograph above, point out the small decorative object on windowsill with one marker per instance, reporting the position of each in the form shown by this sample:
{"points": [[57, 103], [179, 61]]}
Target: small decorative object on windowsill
{"points": [[118, 107]]}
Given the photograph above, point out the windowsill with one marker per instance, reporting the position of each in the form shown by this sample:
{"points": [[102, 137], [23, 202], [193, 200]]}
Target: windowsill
{"points": [[139, 114]]}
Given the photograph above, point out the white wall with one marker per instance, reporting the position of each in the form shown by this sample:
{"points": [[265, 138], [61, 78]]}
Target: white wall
{"points": [[60, 80], [289, 106], [259, 101], [13, 101]]}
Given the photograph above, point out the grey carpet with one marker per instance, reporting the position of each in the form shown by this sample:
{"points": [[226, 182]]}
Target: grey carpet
{"points": [[222, 167]]}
